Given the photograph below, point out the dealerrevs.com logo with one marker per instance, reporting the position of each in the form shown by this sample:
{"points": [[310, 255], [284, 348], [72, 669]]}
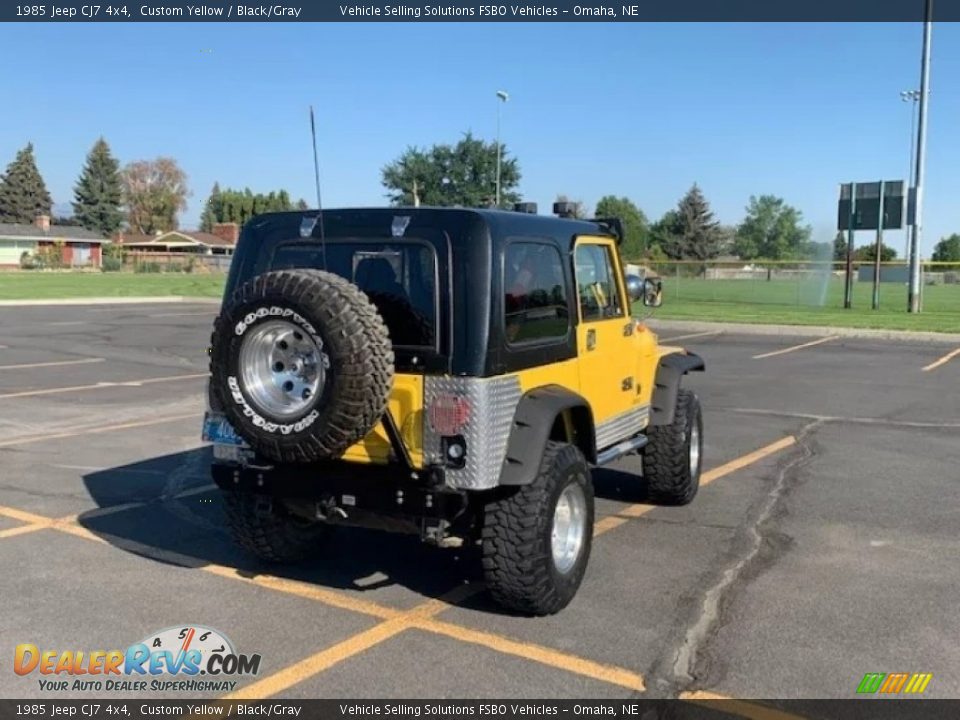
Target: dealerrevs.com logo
{"points": [[189, 658]]}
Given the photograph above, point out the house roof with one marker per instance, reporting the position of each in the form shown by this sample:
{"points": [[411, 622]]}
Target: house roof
{"points": [[176, 237], [56, 232]]}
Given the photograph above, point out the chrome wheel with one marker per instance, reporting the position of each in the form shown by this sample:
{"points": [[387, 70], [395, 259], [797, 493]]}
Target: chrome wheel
{"points": [[282, 368], [695, 448], [569, 527]]}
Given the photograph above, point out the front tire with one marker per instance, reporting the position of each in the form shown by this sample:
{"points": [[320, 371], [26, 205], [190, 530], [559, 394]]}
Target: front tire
{"points": [[672, 458], [536, 539], [269, 531]]}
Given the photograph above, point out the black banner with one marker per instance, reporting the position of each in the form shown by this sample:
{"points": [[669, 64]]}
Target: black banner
{"points": [[442, 11], [117, 709]]}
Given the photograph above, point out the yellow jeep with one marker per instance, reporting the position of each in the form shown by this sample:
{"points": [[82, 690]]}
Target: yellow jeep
{"points": [[449, 372]]}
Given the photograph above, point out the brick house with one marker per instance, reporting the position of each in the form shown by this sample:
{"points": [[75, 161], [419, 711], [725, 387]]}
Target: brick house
{"points": [[78, 246]]}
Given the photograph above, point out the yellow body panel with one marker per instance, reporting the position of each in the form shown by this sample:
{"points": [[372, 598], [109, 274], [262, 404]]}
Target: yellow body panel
{"points": [[614, 371], [406, 406]]}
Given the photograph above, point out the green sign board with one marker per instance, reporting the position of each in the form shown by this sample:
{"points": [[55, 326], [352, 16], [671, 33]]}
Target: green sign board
{"points": [[863, 205]]}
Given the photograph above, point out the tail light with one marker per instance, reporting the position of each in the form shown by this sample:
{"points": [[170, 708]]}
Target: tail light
{"points": [[449, 414]]}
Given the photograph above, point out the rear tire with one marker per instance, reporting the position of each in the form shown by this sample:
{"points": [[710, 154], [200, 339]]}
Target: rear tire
{"points": [[672, 458], [526, 567], [270, 532]]}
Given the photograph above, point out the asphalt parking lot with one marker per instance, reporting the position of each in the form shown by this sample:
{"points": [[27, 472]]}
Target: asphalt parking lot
{"points": [[823, 544]]}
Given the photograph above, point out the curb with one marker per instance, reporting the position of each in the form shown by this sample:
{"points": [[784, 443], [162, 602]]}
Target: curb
{"points": [[803, 330], [110, 301]]}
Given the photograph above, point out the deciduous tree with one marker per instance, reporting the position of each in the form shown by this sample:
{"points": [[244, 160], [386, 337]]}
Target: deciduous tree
{"points": [[154, 193], [636, 227], [452, 175], [771, 230]]}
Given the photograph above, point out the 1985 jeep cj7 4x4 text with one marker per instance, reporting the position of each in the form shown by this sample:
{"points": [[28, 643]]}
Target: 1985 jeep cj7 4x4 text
{"points": [[448, 372]]}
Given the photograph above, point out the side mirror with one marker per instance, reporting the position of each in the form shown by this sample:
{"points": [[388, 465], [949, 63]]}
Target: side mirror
{"points": [[635, 287], [652, 292]]}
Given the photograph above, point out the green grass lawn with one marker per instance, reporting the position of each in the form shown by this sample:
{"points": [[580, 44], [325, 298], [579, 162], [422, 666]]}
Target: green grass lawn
{"points": [[63, 285], [752, 301], [818, 302]]}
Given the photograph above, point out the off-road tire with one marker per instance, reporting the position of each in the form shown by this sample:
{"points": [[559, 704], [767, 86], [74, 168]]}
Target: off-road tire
{"points": [[341, 318], [667, 468], [518, 562], [273, 535]]}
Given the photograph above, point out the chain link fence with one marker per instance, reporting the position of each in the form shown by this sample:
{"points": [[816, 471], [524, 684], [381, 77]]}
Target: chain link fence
{"points": [[801, 283]]}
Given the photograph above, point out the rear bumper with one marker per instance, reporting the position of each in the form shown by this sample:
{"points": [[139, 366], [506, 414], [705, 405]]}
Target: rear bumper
{"points": [[349, 493]]}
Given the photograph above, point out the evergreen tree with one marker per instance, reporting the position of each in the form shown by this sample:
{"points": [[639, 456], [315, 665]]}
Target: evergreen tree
{"points": [[98, 194], [212, 209], [23, 194], [691, 233]]}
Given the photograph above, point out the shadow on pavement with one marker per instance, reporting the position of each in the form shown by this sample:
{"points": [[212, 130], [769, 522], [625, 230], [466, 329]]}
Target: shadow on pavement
{"points": [[166, 509]]}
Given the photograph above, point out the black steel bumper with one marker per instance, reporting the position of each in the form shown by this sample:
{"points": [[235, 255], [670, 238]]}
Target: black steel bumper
{"points": [[349, 492]]}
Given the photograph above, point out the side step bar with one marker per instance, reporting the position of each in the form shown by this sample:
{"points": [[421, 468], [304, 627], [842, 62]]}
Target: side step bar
{"points": [[620, 449]]}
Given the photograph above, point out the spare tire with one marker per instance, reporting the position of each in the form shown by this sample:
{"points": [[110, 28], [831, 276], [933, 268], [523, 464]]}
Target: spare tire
{"points": [[301, 363]]}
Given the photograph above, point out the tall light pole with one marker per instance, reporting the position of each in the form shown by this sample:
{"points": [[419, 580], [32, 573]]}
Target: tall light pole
{"points": [[502, 97], [913, 297], [913, 97]]}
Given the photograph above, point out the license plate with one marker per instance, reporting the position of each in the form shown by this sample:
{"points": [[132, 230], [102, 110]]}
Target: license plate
{"points": [[217, 430]]}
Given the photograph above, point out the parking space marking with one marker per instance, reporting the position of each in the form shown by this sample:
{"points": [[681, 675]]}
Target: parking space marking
{"points": [[22, 530], [639, 509], [727, 704], [537, 653], [102, 385], [942, 361], [92, 430], [794, 348], [691, 336], [393, 621], [85, 361]]}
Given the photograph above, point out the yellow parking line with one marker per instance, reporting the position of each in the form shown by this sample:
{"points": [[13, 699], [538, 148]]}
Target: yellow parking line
{"points": [[610, 522], [393, 621], [22, 530], [794, 348], [727, 704], [310, 666], [85, 361], [97, 429], [307, 591], [327, 658], [102, 386], [748, 459], [537, 653], [942, 361], [24, 516]]}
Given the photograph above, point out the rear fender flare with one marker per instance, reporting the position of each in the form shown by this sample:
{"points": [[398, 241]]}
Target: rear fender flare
{"points": [[672, 367], [533, 422]]}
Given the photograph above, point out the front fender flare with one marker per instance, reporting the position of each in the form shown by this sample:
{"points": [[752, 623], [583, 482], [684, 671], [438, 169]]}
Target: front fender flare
{"points": [[672, 367]]}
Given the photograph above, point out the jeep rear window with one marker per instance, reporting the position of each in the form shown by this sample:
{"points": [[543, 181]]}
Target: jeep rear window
{"points": [[399, 277]]}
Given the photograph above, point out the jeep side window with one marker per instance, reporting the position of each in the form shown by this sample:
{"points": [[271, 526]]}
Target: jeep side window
{"points": [[596, 283], [535, 299]]}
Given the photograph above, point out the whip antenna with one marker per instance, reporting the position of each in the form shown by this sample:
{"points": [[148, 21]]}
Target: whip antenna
{"points": [[316, 175]]}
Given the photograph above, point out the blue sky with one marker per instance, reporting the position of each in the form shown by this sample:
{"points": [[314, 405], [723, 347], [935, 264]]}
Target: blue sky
{"points": [[642, 110]]}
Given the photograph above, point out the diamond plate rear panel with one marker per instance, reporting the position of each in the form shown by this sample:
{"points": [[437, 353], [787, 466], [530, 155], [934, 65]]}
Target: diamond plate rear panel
{"points": [[493, 403]]}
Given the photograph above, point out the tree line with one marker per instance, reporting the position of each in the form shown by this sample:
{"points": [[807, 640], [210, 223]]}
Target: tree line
{"points": [[464, 174], [145, 196]]}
